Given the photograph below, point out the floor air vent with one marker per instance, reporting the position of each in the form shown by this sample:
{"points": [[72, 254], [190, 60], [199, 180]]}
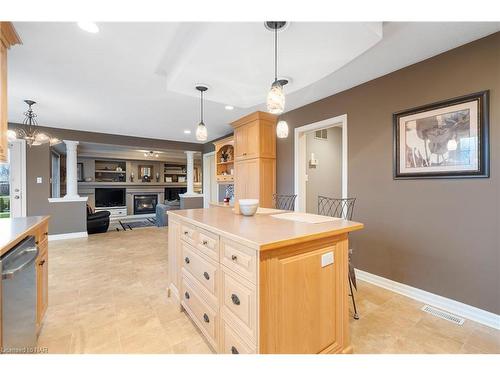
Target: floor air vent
{"points": [[443, 315]]}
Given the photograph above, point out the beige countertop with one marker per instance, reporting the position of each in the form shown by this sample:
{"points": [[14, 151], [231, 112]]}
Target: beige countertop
{"points": [[14, 230], [262, 231]]}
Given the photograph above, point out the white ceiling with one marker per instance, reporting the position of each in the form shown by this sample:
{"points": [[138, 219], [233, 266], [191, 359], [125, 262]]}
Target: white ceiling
{"points": [[137, 78]]}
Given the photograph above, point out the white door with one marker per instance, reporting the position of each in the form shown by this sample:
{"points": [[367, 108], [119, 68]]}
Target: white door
{"points": [[13, 181], [209, 183]]}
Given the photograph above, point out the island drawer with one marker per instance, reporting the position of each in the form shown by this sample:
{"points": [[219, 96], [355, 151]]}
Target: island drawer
{"points": [[202, 269], [231, 343], [239, 304], [189, 234], [240, 259], [202, 314], [208, 244]]}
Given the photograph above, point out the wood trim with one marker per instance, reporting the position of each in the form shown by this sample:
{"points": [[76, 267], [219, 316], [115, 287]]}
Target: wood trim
{"points": [[226, 141], [256, 116], [8, 34]]}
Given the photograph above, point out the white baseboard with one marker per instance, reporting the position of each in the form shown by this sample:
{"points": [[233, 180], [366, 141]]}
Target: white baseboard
{"points": [[67, 236], [458, 308]]}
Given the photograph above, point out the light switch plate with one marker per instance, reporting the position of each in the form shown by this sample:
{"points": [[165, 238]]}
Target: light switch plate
{"points": [[327, 259], [38, 180]]}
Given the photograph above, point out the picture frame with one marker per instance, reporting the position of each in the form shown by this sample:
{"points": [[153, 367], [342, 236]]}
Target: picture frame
{"points": [[446, 139], [79, 172]]}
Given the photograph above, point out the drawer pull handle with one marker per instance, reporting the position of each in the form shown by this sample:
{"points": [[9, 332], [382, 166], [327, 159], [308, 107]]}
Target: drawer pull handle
{"points": [[234, 350], [186, 232], [45, 233], [205, 318], [235, 299], [186, 259], [206, 275], [234, 258], [187, 295], [205, 242], [41, 263]]}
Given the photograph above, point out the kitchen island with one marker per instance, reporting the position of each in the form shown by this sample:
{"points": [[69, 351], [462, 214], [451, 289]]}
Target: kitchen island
{"points": [[262, 284]]}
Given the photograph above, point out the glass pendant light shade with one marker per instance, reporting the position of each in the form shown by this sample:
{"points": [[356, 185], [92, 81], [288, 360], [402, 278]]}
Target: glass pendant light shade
{"points": [[11, 135], [282, 129], [201, 132], [276, 99]]}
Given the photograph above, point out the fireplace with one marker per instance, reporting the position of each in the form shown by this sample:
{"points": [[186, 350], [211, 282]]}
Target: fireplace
{"points": [[145, 203]]}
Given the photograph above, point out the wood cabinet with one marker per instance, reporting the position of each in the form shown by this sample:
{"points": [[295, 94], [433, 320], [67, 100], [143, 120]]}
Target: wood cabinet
{"points": [[224, 160], [8, 38], [255, 157], [286, 296], [296, 278]]}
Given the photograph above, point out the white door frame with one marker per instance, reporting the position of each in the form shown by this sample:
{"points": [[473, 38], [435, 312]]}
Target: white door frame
{"points": [[300, 156], [207, 188], [20, 164]]}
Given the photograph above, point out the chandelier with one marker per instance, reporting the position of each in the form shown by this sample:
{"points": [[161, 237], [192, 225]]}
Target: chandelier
{"points": [[151, 154], [30, 133]]}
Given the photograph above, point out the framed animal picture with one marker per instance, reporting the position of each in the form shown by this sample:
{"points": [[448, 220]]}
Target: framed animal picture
{"points": [[448, 139]]}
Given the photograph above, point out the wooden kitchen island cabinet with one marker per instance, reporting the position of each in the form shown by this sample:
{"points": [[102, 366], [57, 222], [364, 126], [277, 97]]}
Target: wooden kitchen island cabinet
{"points": [[261, 284]]}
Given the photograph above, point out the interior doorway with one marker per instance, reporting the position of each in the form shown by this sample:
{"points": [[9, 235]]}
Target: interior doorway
{"points": [[320, 162], [13, 181]]}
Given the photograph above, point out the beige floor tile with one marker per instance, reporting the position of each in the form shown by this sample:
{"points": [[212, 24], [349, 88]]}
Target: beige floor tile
{"points": [[108, 294]]}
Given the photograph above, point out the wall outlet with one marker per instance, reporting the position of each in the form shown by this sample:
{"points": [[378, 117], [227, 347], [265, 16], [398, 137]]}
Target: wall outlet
{"points": [[38, 180], [327, 259]]}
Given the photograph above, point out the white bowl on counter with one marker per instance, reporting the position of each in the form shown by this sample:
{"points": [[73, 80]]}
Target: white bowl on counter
{"points": [[248, 207]]}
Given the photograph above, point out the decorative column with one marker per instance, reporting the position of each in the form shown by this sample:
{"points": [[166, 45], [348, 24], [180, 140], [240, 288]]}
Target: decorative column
{"points": [[71, 175], [190, 172]]}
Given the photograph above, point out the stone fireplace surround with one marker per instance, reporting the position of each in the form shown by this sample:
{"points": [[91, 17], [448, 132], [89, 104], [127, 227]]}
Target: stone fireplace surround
{"points": [[130, 191]]}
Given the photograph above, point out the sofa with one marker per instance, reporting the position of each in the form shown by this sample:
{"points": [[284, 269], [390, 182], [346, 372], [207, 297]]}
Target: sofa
{"points": [[161, 212], [97, 222]]}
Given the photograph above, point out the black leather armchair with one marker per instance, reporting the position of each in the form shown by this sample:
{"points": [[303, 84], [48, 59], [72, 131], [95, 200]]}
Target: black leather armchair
{"points": [[97, 222]]}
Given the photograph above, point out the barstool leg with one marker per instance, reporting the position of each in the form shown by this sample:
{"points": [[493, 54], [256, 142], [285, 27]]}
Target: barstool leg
{"points": [[355, 316]]}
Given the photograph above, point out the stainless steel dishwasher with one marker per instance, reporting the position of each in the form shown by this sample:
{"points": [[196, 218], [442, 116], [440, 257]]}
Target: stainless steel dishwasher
{"points": [[19, 296]]}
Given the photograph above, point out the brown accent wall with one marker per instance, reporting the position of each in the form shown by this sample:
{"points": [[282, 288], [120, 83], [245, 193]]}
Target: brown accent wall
{"points": [[38, 165], [114, 139], [441, 236]]}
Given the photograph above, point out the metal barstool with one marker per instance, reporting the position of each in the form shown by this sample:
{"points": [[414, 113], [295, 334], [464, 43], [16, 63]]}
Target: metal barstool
{"points": [[343, 208], [284, 202]]}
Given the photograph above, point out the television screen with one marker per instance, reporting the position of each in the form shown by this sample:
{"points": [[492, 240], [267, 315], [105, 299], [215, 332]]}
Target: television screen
{"points": [[109, 197]]}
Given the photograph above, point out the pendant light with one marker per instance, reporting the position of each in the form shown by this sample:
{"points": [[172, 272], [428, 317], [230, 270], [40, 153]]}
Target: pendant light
{"points": [[276, 96], [30, 133], [201, 130]]}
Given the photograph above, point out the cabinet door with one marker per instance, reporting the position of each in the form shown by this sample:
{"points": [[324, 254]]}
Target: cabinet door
{"points": [[240, 143], [42, 282], [240, 178], [267, 169], [303, 308], [252, 140], [252, 182]]}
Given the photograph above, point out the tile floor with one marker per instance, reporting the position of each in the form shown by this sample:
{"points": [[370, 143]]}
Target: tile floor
{"points": [[107, 294]]}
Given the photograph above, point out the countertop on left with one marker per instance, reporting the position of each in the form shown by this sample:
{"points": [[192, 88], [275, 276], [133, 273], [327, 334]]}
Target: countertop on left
{"points": [[14, 230]]}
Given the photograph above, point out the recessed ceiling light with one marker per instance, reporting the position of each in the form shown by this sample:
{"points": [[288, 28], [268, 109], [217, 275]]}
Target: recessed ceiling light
{"points": [[90, 27], [229, 107], [187, 131]]}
